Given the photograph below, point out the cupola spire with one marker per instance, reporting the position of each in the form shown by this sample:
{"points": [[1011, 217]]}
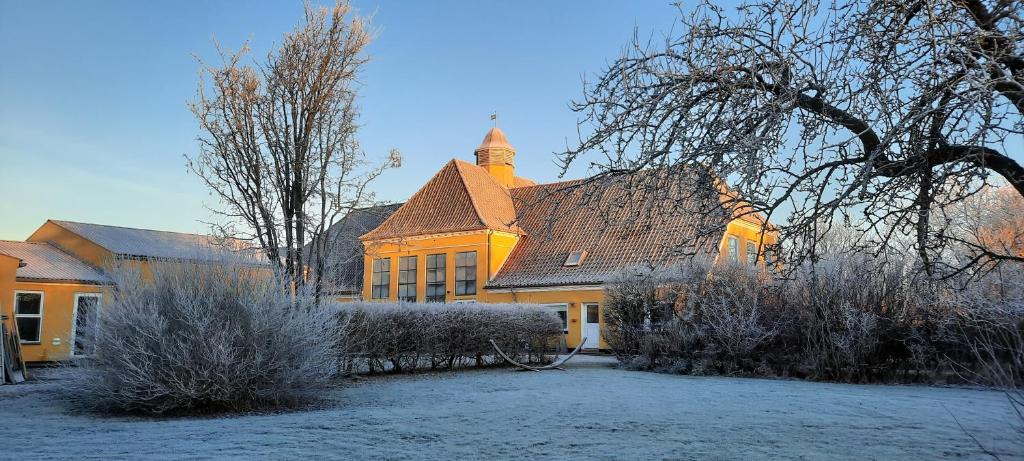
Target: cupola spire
{"points": [[497, 156]]}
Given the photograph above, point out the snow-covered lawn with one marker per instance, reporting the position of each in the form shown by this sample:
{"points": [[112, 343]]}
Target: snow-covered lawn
{"points": [[589, 412]]}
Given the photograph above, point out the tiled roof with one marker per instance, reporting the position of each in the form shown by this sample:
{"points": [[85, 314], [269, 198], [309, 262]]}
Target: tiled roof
{"points": [[345, 251], [619, 224], [44, 262], [460, 197], [127, 242], [522, 182]]}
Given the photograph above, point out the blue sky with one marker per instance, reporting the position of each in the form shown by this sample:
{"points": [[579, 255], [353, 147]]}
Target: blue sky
{"points": [[94, 123]]}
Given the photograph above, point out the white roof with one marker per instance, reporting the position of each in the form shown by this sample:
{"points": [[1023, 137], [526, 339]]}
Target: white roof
{"points": [[127, 242], [45, 262]]}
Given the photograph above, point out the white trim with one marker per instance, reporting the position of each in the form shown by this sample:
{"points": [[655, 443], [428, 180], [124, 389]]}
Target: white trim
{"points": [[74, 318], [542, 289], [728, 248], [14, 313], [584, 323], [560, 307]]}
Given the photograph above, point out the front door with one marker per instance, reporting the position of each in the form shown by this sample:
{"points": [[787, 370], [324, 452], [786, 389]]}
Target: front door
{"points": [[591, 322], [86, 306]]}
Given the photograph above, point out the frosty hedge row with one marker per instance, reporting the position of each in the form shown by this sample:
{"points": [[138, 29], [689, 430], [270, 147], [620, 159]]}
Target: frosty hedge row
{"points": [[853, 318], [205, 338]]}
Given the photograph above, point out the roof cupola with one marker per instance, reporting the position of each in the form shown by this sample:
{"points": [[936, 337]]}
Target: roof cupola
{"points": [[497, 156]]}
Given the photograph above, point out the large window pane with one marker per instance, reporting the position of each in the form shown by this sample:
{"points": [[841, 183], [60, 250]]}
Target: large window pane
{"points": [[465, 273], [28, 316], [29, 304], [436, 266], [381, 286], [407, 278]]}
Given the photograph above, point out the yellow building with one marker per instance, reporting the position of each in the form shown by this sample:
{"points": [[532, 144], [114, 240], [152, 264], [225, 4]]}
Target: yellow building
{"points": [[50, 296], [51, 286], [478, 232]]}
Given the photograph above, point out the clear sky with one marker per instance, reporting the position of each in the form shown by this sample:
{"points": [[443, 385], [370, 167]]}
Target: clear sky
{"points": [[94, 123]]}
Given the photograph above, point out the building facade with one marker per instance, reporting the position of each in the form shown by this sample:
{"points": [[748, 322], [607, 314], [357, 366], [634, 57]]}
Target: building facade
{"points": [[52, 284], [477, 232]]}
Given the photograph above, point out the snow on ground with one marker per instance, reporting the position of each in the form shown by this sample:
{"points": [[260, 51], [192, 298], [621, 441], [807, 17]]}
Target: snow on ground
{"points": [[589, 412]]}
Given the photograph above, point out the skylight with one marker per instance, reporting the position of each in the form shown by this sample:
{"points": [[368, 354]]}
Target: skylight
{"points": [[575, 258]]}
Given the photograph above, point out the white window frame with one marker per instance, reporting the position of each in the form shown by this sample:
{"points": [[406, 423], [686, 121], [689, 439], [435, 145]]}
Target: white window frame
{"points": [[74, 318], [42, 304], [733, 247], [751, 255], [374, 279], [560, 307]]}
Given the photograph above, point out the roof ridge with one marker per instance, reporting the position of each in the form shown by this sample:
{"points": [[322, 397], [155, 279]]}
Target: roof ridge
{"points": [[60, 221], [567, 181], [22, 241], [412, 197], [472, 199]]}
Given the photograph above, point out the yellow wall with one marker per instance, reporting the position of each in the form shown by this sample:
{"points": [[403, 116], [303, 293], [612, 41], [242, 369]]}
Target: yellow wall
{"points": [[8, 275], [58, 316], [574, 298], [492, 248], [72, 243], [745, 232]]}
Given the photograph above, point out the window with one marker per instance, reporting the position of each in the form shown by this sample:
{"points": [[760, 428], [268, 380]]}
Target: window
{"points": [[28, 316], [562, 311], [734, 250], [593, 315], [465, 273], [381, 287], [751, 253], [407, 278], [436, 265], [86, 315], [575, 258]]}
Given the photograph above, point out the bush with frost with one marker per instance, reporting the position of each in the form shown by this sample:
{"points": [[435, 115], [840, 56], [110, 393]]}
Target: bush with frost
{"points": [[198, 338], [409, 336], [850, 318]]}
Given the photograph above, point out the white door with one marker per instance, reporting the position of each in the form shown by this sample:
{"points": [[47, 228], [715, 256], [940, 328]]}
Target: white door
{"points": [[591, 326], [85, 315]]}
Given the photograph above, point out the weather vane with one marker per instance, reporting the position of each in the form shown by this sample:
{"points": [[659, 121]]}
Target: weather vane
{"points": [[494, 118]]}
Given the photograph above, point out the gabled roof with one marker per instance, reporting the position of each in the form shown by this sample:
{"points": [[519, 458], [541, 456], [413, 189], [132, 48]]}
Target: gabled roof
{"points": [[127, 242], [460, 197], [46, 263], [618, 222], [345, 251]]}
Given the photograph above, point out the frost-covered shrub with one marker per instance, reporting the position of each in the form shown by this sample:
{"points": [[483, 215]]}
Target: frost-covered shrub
{"points": [[848, 318], [409, 336], [197, 338], [639, 303], [693, 311]]}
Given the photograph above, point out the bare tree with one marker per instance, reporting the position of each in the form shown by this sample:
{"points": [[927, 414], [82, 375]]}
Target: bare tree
{"points": [[871, 114], [278, 145]]}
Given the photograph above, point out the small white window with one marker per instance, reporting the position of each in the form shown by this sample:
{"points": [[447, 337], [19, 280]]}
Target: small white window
{"points": [[575, 258], [562, 311], [28, 316], [751, 253], [734, 249]]}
